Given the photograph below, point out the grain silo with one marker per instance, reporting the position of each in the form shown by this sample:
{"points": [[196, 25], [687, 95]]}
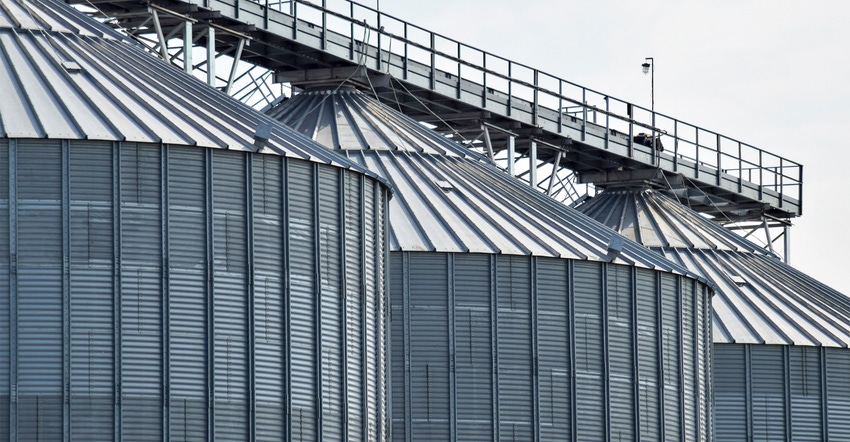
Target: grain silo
{"points": [[173, 264], [781, 361], [515, 318]]}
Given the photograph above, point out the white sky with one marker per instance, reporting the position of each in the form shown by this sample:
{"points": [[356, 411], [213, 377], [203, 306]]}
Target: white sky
{"points": [[773, 74]]}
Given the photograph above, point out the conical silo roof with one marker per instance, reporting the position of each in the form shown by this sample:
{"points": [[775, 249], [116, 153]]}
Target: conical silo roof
{"points": [[449, 199], [760, 299], [65, 76]]}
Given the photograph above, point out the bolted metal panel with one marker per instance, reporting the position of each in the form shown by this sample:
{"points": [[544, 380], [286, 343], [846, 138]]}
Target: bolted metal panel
{"points": [[648, 357], [188, 292], [621, 350], [691, 394], [807, 412], [304, 290], [429, 341], [6, 175], [91, 266], [473, 358], [730, 392], [590, 354], [554, 331], [511, 315], [777, 392], [40, 315], [399, 348], [230, 306], [838, 393], [141, 290], [332, 303], [159, 236], [514, 346], [374, 311], [478, 310], [269, 298], [768, 392], [672, 357]]}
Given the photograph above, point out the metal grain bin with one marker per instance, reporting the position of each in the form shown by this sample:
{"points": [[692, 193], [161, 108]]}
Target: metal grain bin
{"points": [[163, 277], [515, 318], [781, 361]]}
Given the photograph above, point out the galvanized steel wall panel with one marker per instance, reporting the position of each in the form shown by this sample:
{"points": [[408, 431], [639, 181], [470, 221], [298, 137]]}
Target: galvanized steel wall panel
{"points": [[40, 307], [332, 303], [474, 353], [303, 305], [621, 346], [188, 293], [375, 310], [6, 175], [353, 322], [399, 369], [590, 353], [554, 337], [270, 319], [543, 349], [838, 393], [691, 394], [806, 407], [730, 393], [429, 339], [514, 348], [768, 392], [649, 356], [141, 292], [777, 392], [91, 309], [671, 338], [165, 292], [231, 296]]}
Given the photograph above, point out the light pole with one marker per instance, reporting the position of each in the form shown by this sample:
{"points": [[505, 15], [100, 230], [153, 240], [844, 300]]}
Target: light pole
{"points": [[649, 68]]}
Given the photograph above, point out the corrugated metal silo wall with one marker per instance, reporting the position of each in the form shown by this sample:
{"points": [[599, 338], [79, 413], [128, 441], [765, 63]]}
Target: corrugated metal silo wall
{"points": [[153, 292], [518, 348], [779, 392]]}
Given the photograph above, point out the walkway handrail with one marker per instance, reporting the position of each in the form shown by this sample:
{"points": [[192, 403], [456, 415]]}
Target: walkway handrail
{"points": [[517, 81]]}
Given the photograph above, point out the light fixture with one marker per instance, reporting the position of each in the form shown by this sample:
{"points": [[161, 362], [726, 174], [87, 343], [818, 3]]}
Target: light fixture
{"points": [[645, 67]]}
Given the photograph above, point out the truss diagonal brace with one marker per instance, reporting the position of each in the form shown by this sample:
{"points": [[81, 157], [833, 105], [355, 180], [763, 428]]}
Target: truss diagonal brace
{"points": [[236, 58]]}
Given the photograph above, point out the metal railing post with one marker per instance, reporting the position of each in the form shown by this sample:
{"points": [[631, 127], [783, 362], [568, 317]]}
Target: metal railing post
{"points": [[719, 158], [511, 153], [696, 143], [675, 145], [761, 176], [510, 89], [405, 51], [484, 80], [459, 88], [535, 111], [324, 25], [380, 61], [433, 61], [293, 11], [584, 114]]}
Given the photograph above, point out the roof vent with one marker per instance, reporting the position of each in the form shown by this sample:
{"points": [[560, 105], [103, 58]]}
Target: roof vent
{"points": [[444, 185], [262, 135], [615, 246], [72, 67], [738, 280]]}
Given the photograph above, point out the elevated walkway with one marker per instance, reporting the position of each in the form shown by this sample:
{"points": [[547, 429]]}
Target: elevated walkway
{"points": [[539, 126]]}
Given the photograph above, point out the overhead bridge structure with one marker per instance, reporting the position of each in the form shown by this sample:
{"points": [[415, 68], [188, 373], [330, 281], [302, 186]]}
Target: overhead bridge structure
{"points": [[553, 133]]}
